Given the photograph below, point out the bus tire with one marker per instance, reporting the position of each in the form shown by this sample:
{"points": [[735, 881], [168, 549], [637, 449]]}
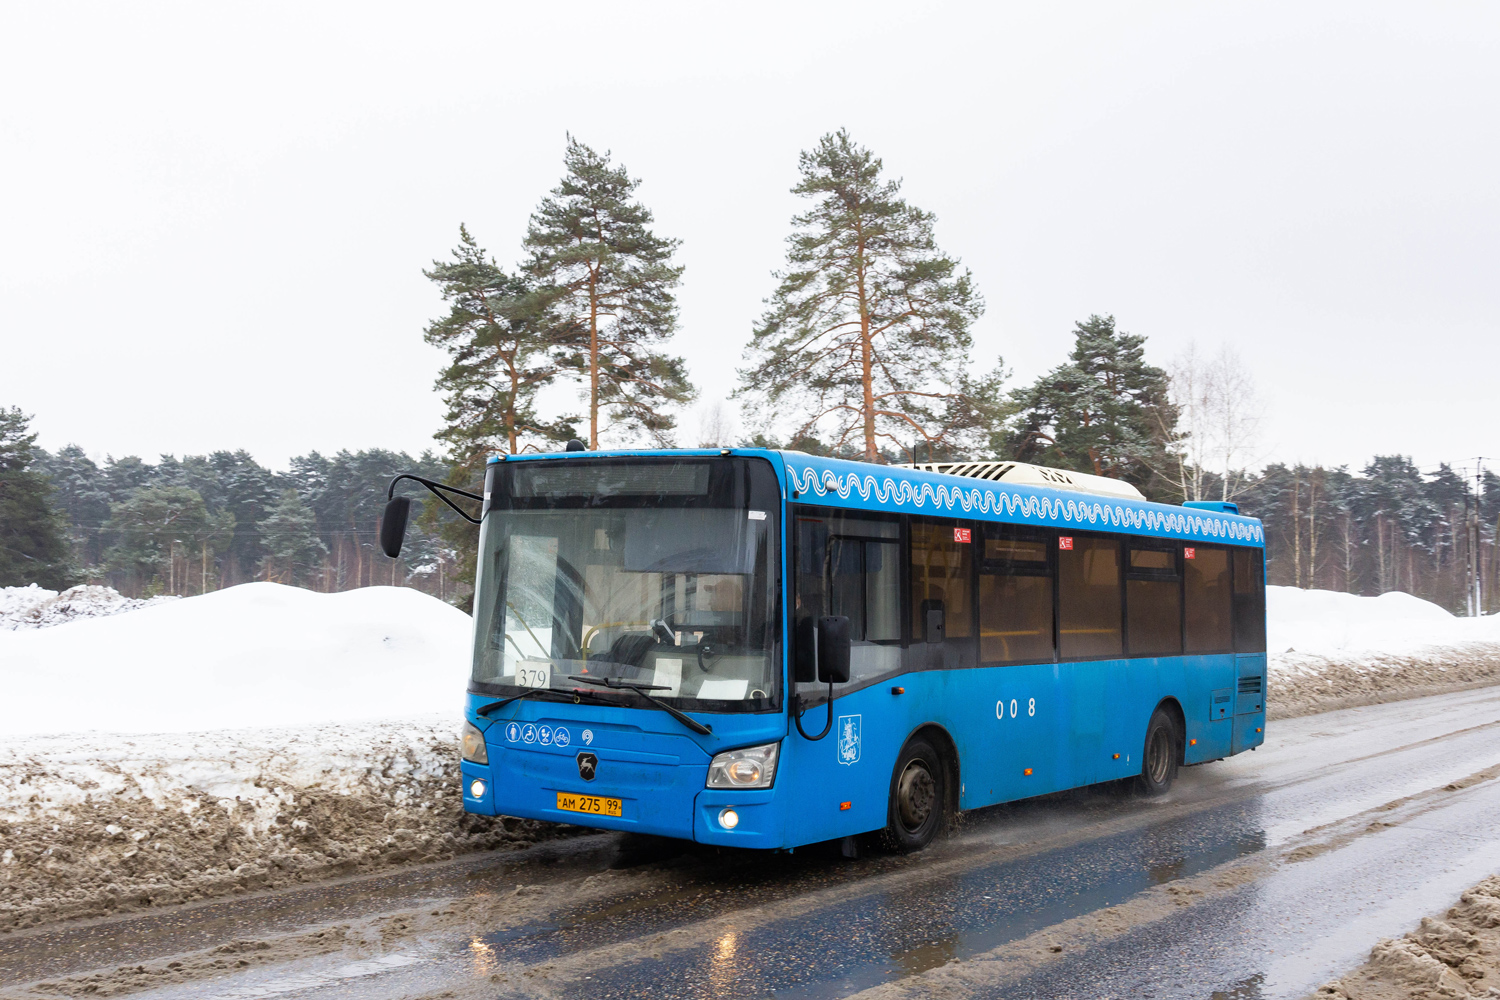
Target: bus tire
{"points": [[918, 809], [1161, 755]]}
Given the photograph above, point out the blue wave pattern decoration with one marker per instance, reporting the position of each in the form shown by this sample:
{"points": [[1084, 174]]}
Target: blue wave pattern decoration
{"points": [[1022, 504]]}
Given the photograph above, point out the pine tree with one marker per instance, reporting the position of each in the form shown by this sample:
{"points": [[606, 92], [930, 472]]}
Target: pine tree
{"points": [[294, 552], [608, 274], [505, 344], [157, 532], [33, 539], [866, 338], [1106, 411], [81, 496]]}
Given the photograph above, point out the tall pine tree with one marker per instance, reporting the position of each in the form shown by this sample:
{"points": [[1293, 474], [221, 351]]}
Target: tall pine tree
{"points": [[1106, 411], [505, 345], [33, 539], [866, 338], [607, 272]]}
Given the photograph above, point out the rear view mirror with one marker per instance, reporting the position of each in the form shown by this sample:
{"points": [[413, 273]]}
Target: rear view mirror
{"points": [[833, 649], [393, 526]]}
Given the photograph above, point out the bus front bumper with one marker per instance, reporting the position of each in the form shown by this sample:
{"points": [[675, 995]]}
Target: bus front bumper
{"points": [[753, 820]]}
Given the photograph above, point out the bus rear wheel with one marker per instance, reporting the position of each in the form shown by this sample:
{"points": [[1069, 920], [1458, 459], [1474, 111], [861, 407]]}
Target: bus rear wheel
{"points": [[919, 797], [1162, 753]]}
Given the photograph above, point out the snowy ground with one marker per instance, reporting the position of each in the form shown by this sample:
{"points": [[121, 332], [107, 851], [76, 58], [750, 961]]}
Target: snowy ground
{"points": [[263, 734]]}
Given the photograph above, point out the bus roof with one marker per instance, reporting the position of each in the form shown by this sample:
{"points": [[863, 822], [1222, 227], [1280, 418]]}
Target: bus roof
{"points": [[861, 485]]}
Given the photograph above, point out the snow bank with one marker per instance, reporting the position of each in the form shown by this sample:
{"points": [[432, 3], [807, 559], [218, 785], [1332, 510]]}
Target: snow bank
{"points": [[1328, 623], [260, 654], [1332, 650], [248, 738], [14, 601], [33, 607]]}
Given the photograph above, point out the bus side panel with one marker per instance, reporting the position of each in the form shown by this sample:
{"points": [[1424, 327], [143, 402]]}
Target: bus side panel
{"points": [[1208, 706], [852, 764], [1088, 686], [1249, 702], [1006, 722]]}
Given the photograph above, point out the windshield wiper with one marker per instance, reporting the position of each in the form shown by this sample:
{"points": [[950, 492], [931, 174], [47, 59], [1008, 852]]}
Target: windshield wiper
{"points": [[644, 691], [492, 706]]}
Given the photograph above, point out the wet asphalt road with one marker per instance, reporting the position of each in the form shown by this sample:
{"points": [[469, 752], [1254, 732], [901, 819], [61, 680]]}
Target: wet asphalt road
{"points": [[1261, 876]]}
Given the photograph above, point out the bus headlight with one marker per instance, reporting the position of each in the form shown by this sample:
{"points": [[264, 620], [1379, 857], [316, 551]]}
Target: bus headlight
{"points": [[471, 744], [752, 767]]}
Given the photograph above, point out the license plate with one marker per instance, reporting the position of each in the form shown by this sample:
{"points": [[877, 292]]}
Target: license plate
{"points": [[598, 805]]}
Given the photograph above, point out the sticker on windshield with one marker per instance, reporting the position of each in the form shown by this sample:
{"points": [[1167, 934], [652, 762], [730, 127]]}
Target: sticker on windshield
{"points": [[528, 733], [848, 744], [513, 732], [561, 737], [757, 515]]}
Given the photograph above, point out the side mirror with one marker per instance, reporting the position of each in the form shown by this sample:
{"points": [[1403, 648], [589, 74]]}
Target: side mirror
{"points": [[393, 526], [833, 649]]}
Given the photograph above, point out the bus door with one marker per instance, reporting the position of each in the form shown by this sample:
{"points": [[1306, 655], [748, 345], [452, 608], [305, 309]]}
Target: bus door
{"points": [[847, 563]]}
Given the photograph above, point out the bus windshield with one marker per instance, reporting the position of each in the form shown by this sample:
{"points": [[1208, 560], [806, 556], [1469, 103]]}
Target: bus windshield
{"points": [[611, 570]]}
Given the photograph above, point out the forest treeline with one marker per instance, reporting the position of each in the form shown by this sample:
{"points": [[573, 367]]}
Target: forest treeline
{"points": [[864, 350], [203, 522]]}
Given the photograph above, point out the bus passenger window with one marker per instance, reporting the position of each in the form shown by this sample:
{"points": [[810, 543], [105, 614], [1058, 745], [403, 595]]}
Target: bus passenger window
{"points": [[1206, 592], [1088, 577], [1153, 602], [1015, 599], [1249, 602], [941, 570]]}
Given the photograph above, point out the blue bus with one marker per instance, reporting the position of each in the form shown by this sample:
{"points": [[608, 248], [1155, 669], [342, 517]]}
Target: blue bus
{"points": [[767, 649]]}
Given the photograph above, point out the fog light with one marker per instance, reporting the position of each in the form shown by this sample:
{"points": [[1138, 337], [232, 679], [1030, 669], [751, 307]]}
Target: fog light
{"points": [[476, 788], [729, 819]]}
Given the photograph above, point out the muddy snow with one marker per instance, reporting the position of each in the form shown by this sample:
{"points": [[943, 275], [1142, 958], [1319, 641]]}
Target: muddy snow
{"points": [[34, 607], [92, 825], [1453, 956]]}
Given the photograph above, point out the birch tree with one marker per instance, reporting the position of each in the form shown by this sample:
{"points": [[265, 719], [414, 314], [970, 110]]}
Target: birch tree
{"points": [[866, 339], [1218, 423]]}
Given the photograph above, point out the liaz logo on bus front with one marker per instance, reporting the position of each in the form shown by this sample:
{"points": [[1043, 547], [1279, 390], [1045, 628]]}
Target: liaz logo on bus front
{"points": [[849, 739]]}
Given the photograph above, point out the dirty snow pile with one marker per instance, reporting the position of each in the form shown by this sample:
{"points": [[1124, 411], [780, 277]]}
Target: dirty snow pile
{"points": [[33, 607], [250, 737], [1332, 650]]}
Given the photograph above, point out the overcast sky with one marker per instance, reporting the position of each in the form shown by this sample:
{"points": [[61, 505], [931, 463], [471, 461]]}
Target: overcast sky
{"points": [[214, 219]]}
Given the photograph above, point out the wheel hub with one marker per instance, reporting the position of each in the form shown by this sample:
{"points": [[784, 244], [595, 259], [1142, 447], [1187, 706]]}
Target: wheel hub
{"points": [[916, 793], [1159, 760]]}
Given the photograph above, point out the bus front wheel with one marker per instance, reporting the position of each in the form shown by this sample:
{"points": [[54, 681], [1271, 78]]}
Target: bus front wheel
{"points": [[1163, 752], [919, 797]]}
